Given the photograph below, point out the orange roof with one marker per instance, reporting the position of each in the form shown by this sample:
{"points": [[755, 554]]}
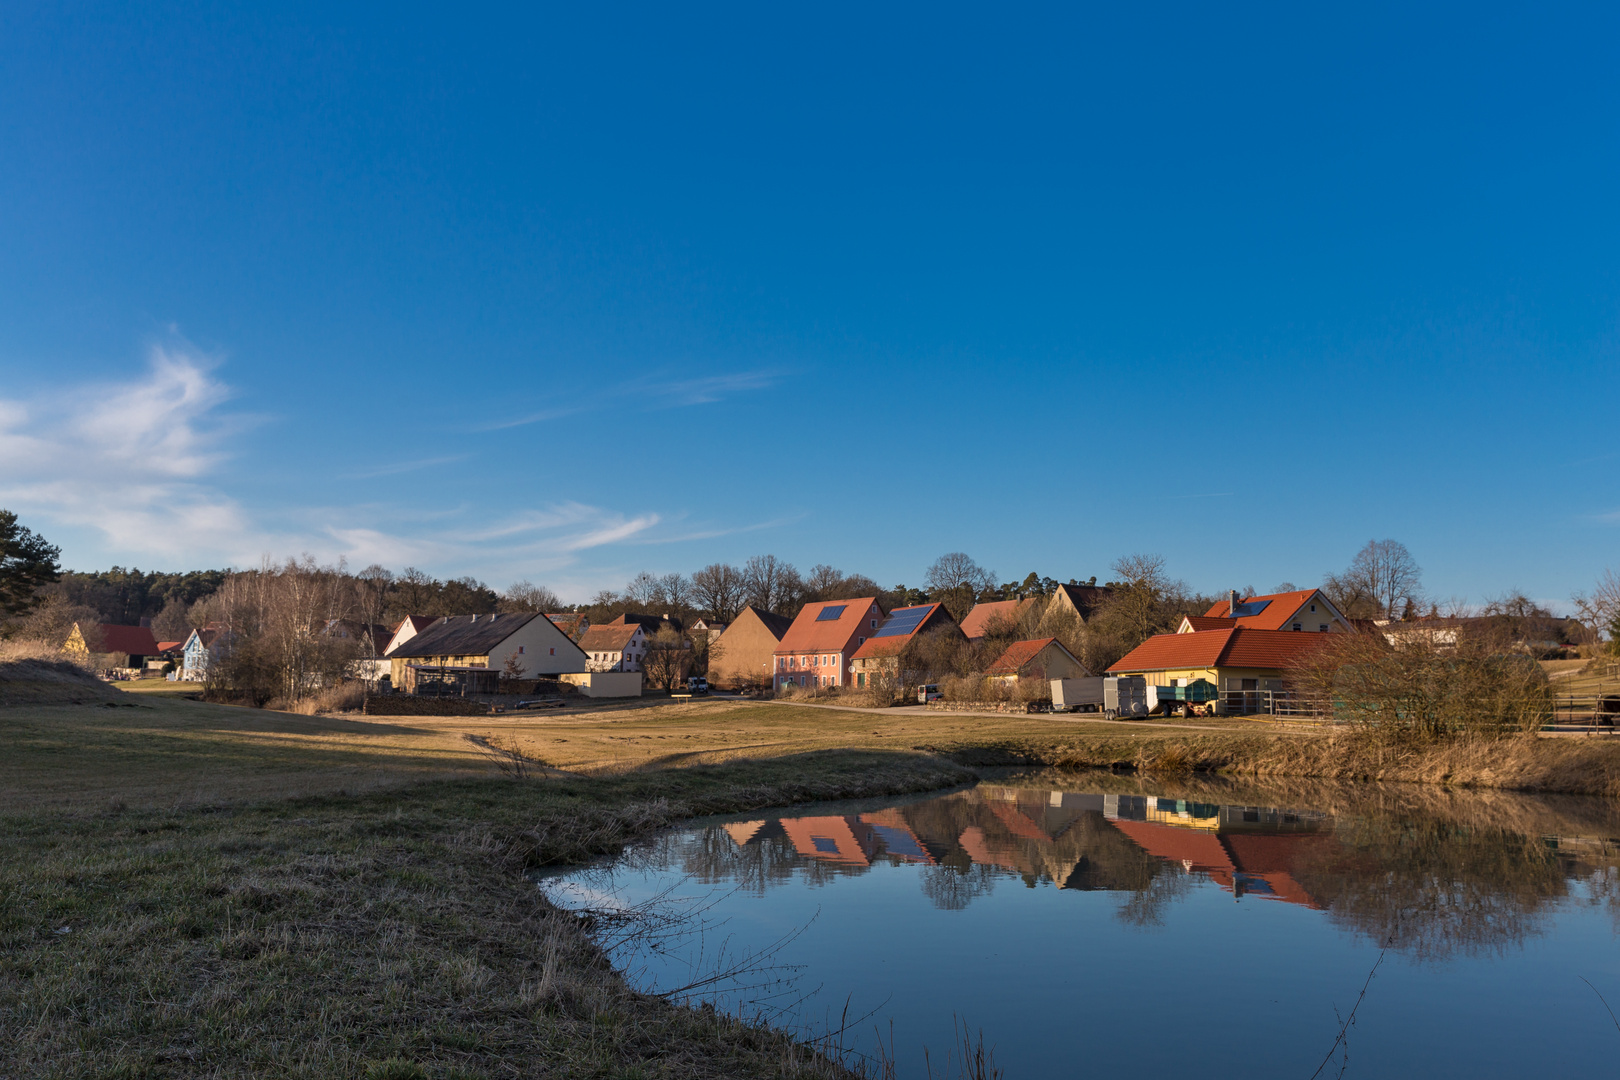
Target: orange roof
{"points": [[1237, 647], [608, 637], [1021, 653], [894, 644], [811, 633], [982, 615], [1275, 609], [1207, 622], [168, 646]]}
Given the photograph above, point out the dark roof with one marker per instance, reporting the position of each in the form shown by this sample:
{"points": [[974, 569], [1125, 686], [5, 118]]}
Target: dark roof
{"points": [[465, 635], [652, 623], [1085, 598]]}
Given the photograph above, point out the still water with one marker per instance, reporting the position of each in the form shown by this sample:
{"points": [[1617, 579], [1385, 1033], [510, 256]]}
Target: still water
{"points": [[1089, 924]]}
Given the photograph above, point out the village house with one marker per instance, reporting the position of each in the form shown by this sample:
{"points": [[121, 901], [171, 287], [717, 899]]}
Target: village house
{"points": [[885, 649], [1039, 658], [112, 646], [994, 615], [1247, 666], [1303, 611], [710, 628], [532, 643], [614, 647], [1078, 601], [818, 647], [408, 628], [202, 646], [743, 652]]}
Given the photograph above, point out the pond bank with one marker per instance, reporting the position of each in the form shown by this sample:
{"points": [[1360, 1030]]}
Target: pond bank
{"points": [[1566, 766]]}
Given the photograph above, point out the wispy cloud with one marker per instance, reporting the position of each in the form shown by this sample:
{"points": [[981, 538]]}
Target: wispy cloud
{"points": [[143, 467], [404, 467], [652, 393]]}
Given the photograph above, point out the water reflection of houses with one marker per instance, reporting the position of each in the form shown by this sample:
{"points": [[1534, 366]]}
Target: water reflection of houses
{"points": [[1075, 840], [855, 840]]}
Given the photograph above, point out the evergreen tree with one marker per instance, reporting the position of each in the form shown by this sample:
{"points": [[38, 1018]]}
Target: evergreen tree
{"points": [[27, 561]]}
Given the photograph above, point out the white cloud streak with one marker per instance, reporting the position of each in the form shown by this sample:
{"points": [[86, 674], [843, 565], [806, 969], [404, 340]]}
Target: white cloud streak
{"points": [[140, 467]]}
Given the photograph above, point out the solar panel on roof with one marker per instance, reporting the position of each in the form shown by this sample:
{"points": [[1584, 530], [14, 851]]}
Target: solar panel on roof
{"points": [[1253, 607], [903, 621], [831, 613]]}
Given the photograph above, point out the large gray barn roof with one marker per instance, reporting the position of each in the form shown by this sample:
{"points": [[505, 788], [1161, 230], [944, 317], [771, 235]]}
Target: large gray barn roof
{"points": [[464, 635]]}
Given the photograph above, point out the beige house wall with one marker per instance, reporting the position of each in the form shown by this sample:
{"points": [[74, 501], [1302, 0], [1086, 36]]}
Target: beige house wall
{"points": [[746, 650]]}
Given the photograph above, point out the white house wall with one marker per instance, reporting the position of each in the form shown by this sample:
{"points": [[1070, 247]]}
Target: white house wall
{"points": [[546, 650]]}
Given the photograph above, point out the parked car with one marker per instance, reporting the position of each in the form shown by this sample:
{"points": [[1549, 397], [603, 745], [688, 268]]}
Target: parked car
{"points": [[928, 693], [697, 684]]}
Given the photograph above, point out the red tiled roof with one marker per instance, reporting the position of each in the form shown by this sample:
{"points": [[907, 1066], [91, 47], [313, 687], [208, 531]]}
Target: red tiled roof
{"points": [[808, 634], [1020, 653], [1277, 614], [982, 615], [1208, 622], [894, 644], [135, 640], [608, 637], [1238, 647], [169, 646]]}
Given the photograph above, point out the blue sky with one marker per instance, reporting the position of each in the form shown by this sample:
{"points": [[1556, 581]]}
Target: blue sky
{"points": [[564, 294]]}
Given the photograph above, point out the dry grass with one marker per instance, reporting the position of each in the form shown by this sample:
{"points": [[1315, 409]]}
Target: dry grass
{"points": [[386, 934]]}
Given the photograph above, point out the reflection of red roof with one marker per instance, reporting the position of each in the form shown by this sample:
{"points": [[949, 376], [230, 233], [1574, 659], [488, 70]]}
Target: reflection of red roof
{"points": [[1220, 648], [742, 831], [975, 622], [980, 849], [1277, 613], [809, 633], [1202, 849], [1017, 822], [827, 838], [135, 640]]}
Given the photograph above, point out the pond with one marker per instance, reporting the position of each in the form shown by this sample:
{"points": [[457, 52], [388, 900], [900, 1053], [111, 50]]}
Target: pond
{"points": [[1089, 923]]}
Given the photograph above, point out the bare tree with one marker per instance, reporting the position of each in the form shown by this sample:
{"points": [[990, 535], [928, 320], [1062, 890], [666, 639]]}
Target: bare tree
{"points": [[643, 591], [1600, 608], [526, 596], [666, 660], [823, 582], [676, 594], [955, 570], [770, 584], [718, 589], [414, 591], [1382, 580]]}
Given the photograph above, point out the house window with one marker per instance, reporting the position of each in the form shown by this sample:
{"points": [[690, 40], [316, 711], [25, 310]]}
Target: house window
{"points": [[520, 650], [860, 680], [860, 641], [1299, 626], [1322, 629], [553, 652]]}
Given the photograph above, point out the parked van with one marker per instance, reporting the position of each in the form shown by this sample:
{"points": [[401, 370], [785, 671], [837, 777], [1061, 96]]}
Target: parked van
{"points": [[697, 684], [928, 693]]}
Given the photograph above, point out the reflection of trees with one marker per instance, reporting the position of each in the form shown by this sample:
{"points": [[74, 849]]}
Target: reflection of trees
{"points": [[953, 887], [1432, 888]]}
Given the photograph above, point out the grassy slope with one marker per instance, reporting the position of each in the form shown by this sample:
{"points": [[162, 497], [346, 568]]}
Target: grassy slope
{"points": [[323, 937]]}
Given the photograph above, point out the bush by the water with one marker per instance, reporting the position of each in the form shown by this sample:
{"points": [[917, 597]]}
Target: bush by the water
{"points": [[1422, 689]]}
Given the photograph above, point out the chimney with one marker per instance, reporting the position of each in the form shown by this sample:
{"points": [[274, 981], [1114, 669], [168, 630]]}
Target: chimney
{"points": [[1232, 611]]}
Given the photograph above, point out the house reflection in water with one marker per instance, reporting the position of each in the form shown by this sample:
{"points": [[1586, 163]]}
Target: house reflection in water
{"points": [[856, 840], [1074, 840]]}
